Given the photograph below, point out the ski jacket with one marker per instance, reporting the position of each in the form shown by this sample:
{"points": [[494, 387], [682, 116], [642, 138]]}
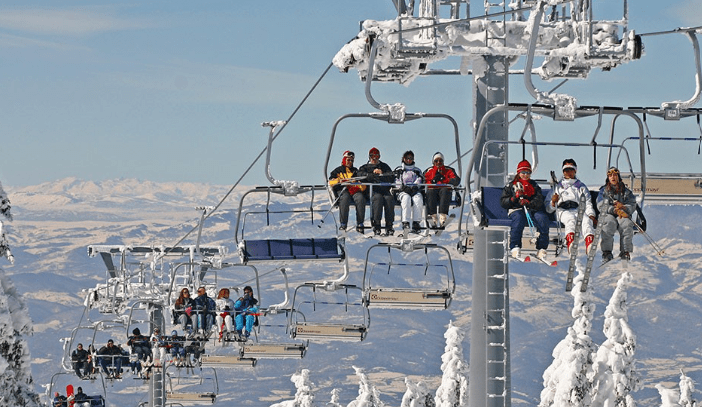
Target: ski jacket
{"points": [[114, 350], [569, 192], [138, 340], [442, 175], [386, 176], [246, 304], [79, 355], [341, 173], [225, 305], [408, 178], [509, 201], [205, 304], [608, 195], [80, 397], [180, 308]]}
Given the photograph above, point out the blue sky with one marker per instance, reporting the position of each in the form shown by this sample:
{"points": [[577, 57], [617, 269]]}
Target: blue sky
{"points": [[177, 91]]}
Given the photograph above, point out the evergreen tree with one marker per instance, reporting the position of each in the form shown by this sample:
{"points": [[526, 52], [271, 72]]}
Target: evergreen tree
{"points": [[614, 374], [16, 384], [367, 393], [687, 386], [304, 397], [453, 391], [566, 380], [5, 211], [417, 395]]}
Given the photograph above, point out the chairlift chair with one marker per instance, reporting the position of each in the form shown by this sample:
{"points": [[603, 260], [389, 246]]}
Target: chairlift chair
{"points": [[485, 206], [435, 286], [190, 388], [95, 390], [328, 318]]}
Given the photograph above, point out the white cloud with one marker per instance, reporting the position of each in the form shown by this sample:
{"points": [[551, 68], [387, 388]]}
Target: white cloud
{"points": [[74, 22]]}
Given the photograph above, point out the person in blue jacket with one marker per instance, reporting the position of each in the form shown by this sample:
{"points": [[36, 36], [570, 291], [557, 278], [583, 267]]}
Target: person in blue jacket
{"points": [[246, 309], [205, 308]]}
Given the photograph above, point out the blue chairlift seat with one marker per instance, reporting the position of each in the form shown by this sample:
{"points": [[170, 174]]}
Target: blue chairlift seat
{"points": [[292, 249]]}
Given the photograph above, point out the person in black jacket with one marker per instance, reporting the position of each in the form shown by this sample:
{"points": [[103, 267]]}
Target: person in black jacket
{"points": [[520, 193], [79, 358], [377, 172], [111, 355]]}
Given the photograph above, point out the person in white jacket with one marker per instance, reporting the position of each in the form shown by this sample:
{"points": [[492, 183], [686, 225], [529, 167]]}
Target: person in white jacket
{"points": [[225, 309], [564, 199]]}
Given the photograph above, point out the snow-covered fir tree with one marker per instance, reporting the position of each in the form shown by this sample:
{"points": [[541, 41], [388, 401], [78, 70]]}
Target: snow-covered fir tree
{"points": [[687, 386], [334, 402], [566, 380], [5, 212], [614, 376], [304, 396], [367, 393], [16, 385], [453, 391], [417, 395]]}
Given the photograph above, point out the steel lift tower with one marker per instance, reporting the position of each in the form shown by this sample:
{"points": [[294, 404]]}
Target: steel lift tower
{"points": [[569, 42]]}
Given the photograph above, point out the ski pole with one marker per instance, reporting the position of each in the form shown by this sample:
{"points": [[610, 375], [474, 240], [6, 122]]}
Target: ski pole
{"points": [[331, 207], [531, 225], [655, 245]]}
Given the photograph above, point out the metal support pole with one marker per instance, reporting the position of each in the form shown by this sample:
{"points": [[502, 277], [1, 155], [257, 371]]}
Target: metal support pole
{"points": [[490, 378]]}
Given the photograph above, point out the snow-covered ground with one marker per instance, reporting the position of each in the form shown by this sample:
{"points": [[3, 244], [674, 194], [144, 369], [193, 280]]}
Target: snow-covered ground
{"points": [[55, 222]]}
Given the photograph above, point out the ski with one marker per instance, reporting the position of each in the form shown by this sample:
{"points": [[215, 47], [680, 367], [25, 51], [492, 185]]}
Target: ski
{"points": [[591, 254], [546, 262], [575, 244], [525, 259]]}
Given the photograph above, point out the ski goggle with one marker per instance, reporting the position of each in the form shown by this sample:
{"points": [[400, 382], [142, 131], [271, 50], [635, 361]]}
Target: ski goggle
{"points": [[612, 171], [349, 154]]}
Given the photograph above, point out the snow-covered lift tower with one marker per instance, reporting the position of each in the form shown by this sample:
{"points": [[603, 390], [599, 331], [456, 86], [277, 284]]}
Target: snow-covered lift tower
{"points": [[570, 43]]}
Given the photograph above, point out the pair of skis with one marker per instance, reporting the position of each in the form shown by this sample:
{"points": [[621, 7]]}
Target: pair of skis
{"points": [[590, 258]]}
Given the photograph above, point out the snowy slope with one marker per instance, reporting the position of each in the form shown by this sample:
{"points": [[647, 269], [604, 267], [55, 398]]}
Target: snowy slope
{"points": [[54, 223]]}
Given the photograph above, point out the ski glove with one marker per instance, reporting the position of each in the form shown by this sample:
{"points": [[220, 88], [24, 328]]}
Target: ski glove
{"points": [[554, 199], [438, 177], [621, 213], [593, 219], [523, 202]]}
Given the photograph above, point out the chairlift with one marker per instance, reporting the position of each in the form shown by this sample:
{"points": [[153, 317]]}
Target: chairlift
{"points": [[485, 206], [263, 346], [431, 279], [191, 388], [328, 312], [394, 114], [88, 335], [95, 390]]}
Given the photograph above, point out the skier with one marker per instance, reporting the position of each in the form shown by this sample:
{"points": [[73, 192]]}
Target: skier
{"points": [[182, 309], [245, 308], [617, 202], [347, 193], [110, 355], [79, 358], [408, 177], [382, 200], [523, 192], [564, 199], [225, 308], [439, 195], [205, 308]]}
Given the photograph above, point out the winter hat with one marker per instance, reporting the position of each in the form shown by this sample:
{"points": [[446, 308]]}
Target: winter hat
{"points": [[136, 331], [174, 333], [523, 166], [569, 163], [110, 341], [374, 151], [436, 156], [347, 154]]}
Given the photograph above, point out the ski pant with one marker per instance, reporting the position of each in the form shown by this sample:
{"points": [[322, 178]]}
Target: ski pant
{"points": [[440, 197], [204, 321], [227, 320], [115, 361], [250, 319], [141, 351], [344, 204], [412, 206], [81, 368], [519, 221], [624, 226], [382, 202], [569, 217]]}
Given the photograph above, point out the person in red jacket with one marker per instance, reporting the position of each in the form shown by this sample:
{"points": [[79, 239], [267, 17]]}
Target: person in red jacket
{"points": [[443, 179]]}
